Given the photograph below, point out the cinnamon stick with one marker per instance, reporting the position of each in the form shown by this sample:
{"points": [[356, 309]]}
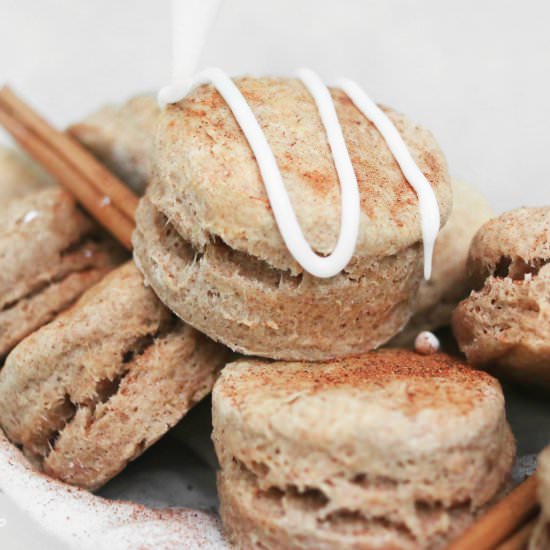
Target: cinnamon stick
{"points": [[502, 520], [105, 197], [104, 181], [520, 539]]}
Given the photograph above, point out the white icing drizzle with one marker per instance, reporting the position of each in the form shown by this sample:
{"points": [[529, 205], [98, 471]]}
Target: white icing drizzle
{"points": [[427, 201], [191, 20], [285, 217], [281, 205]]}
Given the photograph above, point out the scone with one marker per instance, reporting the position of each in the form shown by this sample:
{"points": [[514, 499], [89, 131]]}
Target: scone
{"points": [[50, 253], [390, 449], [89, 392], [505, 325], [121, 137], [438, 297], [208, 243], [540, 539], [18, 176]]}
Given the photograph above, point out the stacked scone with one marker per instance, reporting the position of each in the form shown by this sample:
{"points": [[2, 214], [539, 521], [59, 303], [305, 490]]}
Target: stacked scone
{"points": [[386, 449], [208, 244], [383, 450]]}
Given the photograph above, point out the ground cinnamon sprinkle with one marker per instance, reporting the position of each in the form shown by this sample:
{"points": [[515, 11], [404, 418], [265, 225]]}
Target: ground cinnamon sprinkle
{"points": [[433, 381]]}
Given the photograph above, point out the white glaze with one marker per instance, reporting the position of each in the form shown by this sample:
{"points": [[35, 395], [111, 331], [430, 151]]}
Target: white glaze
{"points": [[191, 21]]}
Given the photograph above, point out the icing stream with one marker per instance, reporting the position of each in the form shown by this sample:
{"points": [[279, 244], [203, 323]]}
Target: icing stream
{"points": [[291, 232], [191, 20]]}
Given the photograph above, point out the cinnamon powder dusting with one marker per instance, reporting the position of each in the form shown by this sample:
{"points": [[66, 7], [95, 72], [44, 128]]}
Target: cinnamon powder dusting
{"points": [[404, 379]]}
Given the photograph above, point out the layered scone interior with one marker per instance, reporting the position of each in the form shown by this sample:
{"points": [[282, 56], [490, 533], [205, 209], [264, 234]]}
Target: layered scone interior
{"points": [[504, 325], [208, 244], [385, 450], [92, 390], [50, 253]]}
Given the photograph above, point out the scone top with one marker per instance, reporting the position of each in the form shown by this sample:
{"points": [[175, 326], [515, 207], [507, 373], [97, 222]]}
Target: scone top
{"points": [[391, 409], [207, 183]]}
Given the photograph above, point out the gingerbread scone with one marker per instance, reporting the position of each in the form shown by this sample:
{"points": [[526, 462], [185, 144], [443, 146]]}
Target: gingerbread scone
{"points": [[385, 450], [50, 253], [121, 136], [438, 297], [95, 388], [540, 538], [505, 324], [19, 176], [209, 245]]}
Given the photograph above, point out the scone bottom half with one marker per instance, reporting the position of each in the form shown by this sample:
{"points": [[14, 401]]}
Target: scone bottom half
{"points": [[385, 450], [207, 242], [92, 390], [504, 325]]}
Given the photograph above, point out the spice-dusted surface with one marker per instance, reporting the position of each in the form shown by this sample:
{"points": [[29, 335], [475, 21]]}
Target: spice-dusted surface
{"points": [[173, 474]]}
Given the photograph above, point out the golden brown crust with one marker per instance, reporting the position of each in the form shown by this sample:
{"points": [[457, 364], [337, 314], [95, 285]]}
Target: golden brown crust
{"points": [[92, 390], [208, 244], [434, 377]]}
